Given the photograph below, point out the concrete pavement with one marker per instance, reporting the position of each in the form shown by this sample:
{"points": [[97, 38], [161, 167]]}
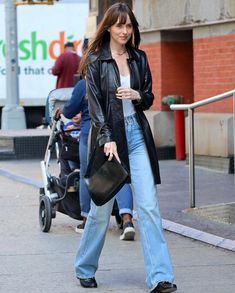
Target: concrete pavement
{"points": [[32, 261], [212, 188]]}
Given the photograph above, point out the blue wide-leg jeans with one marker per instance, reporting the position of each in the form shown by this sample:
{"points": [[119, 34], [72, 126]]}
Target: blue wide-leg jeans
{"points": [[158, 266]]}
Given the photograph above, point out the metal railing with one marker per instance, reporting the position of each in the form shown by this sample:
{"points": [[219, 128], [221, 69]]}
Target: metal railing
{"points": [[190, 108]]}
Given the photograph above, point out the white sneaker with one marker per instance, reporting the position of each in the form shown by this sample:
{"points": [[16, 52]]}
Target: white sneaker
{"points": [[80, 228], [128, 231]]}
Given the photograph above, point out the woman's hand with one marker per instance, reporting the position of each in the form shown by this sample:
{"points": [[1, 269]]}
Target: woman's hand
{"points": [[125, 93], [110, 150]]}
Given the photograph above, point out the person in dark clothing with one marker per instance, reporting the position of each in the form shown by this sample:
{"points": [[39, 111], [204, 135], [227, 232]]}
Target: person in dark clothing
{"points": [[119, 90], [66, 66]]}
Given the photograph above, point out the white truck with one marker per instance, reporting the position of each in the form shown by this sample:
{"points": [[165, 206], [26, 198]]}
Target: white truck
{"points": [[42, 32]]}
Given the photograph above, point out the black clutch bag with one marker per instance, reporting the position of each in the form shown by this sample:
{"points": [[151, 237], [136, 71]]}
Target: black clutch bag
{"points": [[106, 181]]}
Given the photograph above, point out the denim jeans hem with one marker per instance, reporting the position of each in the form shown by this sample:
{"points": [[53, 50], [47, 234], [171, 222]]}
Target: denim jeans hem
{"points": [[89, 277], [164, 280], [84, 215], [125, 211]]}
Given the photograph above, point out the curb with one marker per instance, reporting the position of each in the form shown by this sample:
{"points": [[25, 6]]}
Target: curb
{"points": [[170, 226], [199, 235], [22, 179]]}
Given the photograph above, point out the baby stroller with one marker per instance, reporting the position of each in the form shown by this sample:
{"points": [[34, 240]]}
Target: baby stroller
{"points": [[60, 193]]}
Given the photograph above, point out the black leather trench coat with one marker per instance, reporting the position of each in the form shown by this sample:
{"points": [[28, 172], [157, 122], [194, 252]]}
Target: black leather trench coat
{"points": [[106, 110]]}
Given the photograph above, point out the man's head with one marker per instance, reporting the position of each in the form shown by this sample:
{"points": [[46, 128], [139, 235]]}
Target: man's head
{"points": [[68, 47]]}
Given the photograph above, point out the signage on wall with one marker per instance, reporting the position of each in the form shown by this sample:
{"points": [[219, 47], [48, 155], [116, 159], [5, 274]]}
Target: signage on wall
{"points": [[42, 32]]}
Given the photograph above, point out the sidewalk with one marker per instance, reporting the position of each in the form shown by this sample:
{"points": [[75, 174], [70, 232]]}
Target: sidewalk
{"points": [[32, 261], [211, 188]]}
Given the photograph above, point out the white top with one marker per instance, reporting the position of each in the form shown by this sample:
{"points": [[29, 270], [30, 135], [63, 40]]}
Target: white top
{"points": [[128, 107]]}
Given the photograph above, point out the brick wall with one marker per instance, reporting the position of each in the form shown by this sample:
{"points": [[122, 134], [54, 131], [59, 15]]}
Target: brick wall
{"points": [[171, 64], [198, 72], [177, 69], [214, 70], [153, 52]]}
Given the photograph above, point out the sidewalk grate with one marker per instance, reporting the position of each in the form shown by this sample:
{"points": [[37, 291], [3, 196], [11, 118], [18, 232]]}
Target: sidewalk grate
{"points": [[224, 213]]}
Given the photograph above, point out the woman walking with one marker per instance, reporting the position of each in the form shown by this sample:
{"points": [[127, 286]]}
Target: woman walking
{"points": [[119, 89]]}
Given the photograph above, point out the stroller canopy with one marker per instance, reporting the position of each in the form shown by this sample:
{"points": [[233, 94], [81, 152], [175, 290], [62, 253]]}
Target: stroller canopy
{"points": [[56, 99]]}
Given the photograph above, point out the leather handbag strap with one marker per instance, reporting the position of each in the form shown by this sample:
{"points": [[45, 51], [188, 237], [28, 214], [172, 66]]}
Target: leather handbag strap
{"points": [[92, 156]]}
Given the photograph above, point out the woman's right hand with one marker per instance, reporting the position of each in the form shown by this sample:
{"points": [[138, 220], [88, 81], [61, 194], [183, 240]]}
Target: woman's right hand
{"points": [[110, 150]]}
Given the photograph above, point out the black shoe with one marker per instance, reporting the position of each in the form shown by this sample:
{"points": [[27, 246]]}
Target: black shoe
{"points": [[88, 283], [128, 231], [164, 287]]}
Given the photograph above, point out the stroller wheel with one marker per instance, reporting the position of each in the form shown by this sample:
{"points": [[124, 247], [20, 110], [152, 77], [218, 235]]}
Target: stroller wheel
{"points": [[45, 213]]}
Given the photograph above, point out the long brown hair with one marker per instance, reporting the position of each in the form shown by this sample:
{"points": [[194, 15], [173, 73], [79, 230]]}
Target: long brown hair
{"points": [[117, 12]]}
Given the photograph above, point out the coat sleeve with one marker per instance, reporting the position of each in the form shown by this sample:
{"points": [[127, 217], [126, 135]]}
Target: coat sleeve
{"points": [[97, 102], [145, 90], [74, 105]]}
